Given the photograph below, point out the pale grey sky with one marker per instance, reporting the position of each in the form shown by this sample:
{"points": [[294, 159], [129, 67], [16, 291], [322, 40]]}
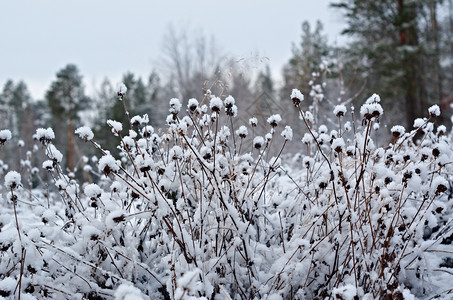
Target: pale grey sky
{"points": [[107, 38]]}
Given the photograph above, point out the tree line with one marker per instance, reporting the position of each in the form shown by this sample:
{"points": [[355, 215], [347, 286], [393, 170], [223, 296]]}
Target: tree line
{"points": [[402, 50]]}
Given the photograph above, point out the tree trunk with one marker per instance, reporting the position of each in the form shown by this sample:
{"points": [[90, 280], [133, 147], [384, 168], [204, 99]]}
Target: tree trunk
{"points": [[410, 65], [70, 146]]}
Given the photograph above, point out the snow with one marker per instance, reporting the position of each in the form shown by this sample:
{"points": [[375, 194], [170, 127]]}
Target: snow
{"points": [[192, 104], [347, 126], [339, 110], [195, 213], [434, 111], [418, 122], [175, 106], [441, 129], [139, 120], [12, 180], [45, 136], [85, 133], [54, 154], [107, 164], [229, 101], [128, 292], [274, 120], [307, 138], [8, 285], [176, 152], [93, 190], [439, 185], [116, 126], [242, 131], [371, 110], [61, 184], [287, 133], [397, 130], [147, 131], [296, 94], [375, 98], [258, 142], [309, 117], [121, 89], [338, 145], [5, 135], [215, 104], [347, 292], [323, 129], [253, 122], [48, 165]]}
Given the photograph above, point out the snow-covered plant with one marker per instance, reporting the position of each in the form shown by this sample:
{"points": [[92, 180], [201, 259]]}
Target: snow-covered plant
{"points": [[205, 210]]}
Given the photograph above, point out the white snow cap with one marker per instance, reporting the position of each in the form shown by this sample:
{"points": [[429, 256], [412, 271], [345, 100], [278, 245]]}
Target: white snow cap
{"points": [[434, 111], [375, 98], [418, 122], [45, 135], [175, 105], [287, 133], [439, 185], [253, 121], [48, 165], [12, 180], [338, 145], [116, 126], [229, 101], [372, 108], [107, 164], [121, 89], [85, 133], [54, 154], [92, 190], [296, 94], [242, 131], [215, 104], [192, 104], [307, 139], [397, 130], [5, 135], [339, 110], [274, 120], [139, 120], [258, 142]]}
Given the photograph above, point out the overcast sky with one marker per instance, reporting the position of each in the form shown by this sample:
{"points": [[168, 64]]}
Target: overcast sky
{"points": [[107, 38]]}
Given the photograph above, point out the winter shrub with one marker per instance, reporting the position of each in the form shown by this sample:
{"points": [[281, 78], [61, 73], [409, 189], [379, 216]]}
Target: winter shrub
{"points": [[205, 210]]}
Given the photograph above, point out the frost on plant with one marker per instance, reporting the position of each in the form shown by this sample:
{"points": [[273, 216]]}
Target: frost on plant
{"points": [[205, 209], [12, 180], [5, 135]]}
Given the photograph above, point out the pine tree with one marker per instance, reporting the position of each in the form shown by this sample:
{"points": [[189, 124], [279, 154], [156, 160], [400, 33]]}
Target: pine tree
{"points": [[394, 51], [66, 99], [264, 82], [307, 57]]}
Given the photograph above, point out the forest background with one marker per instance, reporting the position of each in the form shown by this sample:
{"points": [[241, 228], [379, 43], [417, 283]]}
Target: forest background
{"points": [[402, 50]]}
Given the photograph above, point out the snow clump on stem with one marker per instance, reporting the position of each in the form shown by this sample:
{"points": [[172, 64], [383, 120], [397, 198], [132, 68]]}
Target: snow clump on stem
{"points": [[108, 164], [434, 111], [5, 135], [297, 97], [45, 136], [12, 180], [85, 133]]}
